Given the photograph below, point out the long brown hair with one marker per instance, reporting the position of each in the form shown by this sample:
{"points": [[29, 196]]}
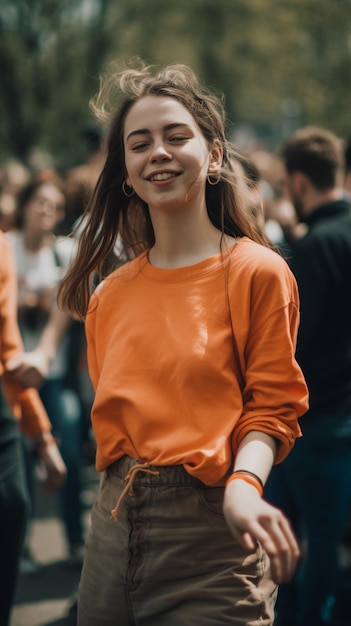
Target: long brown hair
{"points": [[110, 212]]}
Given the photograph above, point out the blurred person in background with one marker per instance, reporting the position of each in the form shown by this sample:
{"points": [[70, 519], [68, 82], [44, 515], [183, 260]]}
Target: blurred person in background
{"points": [[41, 261], [282, 224], [312, 486], [81, 179], [25, 404], [248, 173], [267, 200], [13, 177]]}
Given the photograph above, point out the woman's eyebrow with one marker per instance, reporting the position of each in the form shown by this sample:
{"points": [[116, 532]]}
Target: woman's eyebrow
{"points": [[146, 131]]}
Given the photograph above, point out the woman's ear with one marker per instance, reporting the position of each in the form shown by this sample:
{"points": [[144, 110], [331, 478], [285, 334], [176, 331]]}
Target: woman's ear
{"points": [[216, 157]]}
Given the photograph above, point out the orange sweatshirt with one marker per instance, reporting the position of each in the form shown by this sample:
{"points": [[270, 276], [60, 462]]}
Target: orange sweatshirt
{"points": [[173, 383], [25, 403]]}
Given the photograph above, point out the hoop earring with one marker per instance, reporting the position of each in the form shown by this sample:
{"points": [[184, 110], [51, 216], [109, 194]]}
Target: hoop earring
{"points": [[213, 180], [128, 191]]}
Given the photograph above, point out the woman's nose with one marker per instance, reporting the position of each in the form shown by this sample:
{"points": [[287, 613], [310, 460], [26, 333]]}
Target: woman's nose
{"points": [[160, 152]]}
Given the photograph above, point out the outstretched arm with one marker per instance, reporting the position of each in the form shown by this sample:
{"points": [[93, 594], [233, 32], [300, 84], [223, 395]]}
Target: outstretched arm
{"points": [[30, 369], [24, 402], [251, 518]]}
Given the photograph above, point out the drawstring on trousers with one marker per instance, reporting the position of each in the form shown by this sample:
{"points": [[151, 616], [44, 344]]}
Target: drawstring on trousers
{"points": [[128, 489]]}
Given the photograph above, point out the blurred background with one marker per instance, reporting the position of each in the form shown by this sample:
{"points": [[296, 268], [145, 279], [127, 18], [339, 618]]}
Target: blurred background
{"points": [[280, 65]]}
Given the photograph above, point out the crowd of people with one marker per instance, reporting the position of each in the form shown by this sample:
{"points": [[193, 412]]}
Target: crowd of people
{"points": [[184, 307]]}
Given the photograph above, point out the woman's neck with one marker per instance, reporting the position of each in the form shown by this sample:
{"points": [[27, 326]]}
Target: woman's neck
{"points": [[179, 242]]}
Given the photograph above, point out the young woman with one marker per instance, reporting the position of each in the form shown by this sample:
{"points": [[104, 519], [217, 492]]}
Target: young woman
{"points": [[41, 260], [191, 354]]}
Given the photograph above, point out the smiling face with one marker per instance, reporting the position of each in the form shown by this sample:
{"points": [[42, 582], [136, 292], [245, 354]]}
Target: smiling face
{"points": [[166, 155]]}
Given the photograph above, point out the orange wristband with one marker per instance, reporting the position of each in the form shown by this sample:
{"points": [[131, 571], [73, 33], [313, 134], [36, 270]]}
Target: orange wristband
{"points": [[248, 478]]}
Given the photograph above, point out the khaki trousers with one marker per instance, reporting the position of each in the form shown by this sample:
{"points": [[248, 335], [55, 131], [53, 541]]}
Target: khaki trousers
{"points": [[169, 559]]}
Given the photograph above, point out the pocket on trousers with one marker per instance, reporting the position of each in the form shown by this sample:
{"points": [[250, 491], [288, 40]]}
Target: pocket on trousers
{"points": [[211, 500]]}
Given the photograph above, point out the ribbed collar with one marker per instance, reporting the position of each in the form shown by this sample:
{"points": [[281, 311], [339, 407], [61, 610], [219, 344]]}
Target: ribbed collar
{"points": [[182, 273]]}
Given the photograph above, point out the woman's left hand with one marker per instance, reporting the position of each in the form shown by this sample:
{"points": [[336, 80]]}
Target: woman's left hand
{"points": [[251, 519]]}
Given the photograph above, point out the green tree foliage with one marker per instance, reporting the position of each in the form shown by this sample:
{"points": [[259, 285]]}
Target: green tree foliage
{"points": [[279, 63]]}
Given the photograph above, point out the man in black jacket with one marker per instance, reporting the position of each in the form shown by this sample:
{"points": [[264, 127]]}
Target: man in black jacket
{"points": [[313, 485]]}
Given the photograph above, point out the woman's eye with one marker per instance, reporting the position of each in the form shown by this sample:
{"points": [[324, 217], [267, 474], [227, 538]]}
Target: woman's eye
{"points": [[140, 146], [178, 139]]}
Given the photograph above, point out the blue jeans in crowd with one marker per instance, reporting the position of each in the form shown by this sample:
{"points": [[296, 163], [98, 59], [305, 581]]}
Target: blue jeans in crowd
{"points": [[65, 415], [313, 487]]}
